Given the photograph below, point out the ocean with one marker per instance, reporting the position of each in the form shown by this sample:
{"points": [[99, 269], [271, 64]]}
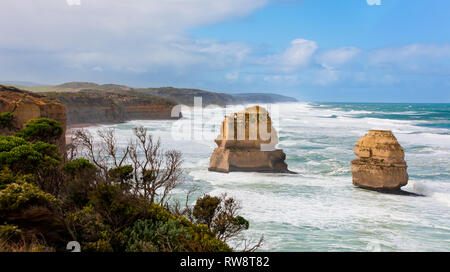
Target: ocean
{"points": [[319, 209]]}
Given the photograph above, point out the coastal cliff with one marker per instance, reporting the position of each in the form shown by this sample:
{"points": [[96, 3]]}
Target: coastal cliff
{"points": [[247, 144], [183, 96], [380, 164], [25, 106], [96, 106]]}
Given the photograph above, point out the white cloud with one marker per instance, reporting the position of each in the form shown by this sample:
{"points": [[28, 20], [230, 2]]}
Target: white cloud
{"points": [[180, 54], [297, 55], [337, 57], [53, 23], [232, 76], [73, 2], [374, 2], [115, 37], [132, 35], [417, 59], [410, 52], [326, 77], [282, 79]]}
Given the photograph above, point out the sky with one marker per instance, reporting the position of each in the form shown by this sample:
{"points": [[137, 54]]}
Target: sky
{"points": [[314, 50]]}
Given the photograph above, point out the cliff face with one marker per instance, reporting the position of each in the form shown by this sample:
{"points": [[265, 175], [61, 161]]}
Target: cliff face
{"points": [[380, 164], [95, 106], [183, 96], [26, 106], [186, 96], [247, 143]]}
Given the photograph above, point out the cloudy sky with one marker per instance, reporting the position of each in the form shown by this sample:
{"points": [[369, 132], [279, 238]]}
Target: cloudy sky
{"points": [[314, 50]]}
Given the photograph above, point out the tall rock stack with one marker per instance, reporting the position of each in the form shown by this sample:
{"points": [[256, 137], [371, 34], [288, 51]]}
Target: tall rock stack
{"points": [[247, 144], [380, 164], [26, 106]]}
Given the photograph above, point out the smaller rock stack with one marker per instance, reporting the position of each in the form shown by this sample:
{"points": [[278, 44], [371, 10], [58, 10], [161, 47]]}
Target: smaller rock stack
{"points": [[247, 144], [380, 164]]}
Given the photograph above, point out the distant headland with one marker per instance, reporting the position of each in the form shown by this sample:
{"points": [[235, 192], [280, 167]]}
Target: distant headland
{"points": [[91, 103]]}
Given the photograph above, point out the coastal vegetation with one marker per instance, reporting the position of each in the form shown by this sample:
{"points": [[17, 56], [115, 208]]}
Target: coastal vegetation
{"points": [[104, 197]]}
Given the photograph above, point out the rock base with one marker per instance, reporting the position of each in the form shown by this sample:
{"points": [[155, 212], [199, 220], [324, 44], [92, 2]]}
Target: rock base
{"points": [[251, 160], [375, 175]]}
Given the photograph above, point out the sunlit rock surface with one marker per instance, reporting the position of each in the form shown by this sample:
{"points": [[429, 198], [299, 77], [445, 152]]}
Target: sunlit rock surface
{"points": [[26, 106], [380, 164], [247, 143]]}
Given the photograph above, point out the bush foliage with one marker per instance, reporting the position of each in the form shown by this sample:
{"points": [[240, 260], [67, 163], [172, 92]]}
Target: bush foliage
{"points": [[42, 129], [6, 120], [104, 207]]}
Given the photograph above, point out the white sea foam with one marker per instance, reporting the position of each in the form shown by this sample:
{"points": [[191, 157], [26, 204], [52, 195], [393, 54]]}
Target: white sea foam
{"points": [[319, 209]]}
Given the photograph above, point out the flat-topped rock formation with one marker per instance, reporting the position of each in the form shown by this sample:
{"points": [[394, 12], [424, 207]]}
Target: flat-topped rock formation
{"points": [[380, 164], [247, 144], [25, 106]]}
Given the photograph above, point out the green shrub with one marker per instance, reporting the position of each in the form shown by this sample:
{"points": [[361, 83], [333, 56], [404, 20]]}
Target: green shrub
{"points": [[41, 197], [150, 236], [9, 231], [24, 157], [21, 159], [205, 209], [9, 142], [117, 208], [241, 221], [8, 177], [42, 129], [78, 166], [122, 175], [86, 224], [6, 120], [20, 194], [80, 181], [219, 215]]}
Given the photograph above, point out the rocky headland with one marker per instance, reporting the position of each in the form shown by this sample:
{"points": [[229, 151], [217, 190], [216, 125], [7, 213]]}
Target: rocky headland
{"points": [[98, 106], [381, 164], [248, 98], [247, 144], [183, 96]]}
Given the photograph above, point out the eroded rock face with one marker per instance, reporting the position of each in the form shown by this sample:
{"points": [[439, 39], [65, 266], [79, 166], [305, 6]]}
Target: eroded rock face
{"points": [[26, 105], [380, 164], [247, 143], [96, 106]]}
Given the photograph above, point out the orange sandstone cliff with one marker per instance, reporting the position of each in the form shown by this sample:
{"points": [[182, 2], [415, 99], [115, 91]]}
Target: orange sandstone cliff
{"points": [[96, 106], [26, 105]]}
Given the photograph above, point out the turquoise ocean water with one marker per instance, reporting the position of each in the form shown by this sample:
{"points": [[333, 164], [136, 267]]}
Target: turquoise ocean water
{"points": [[319, 209]]}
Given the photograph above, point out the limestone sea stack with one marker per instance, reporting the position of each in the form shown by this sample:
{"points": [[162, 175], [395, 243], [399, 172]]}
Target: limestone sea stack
{"points": [[380, 164], [247, 144]]}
